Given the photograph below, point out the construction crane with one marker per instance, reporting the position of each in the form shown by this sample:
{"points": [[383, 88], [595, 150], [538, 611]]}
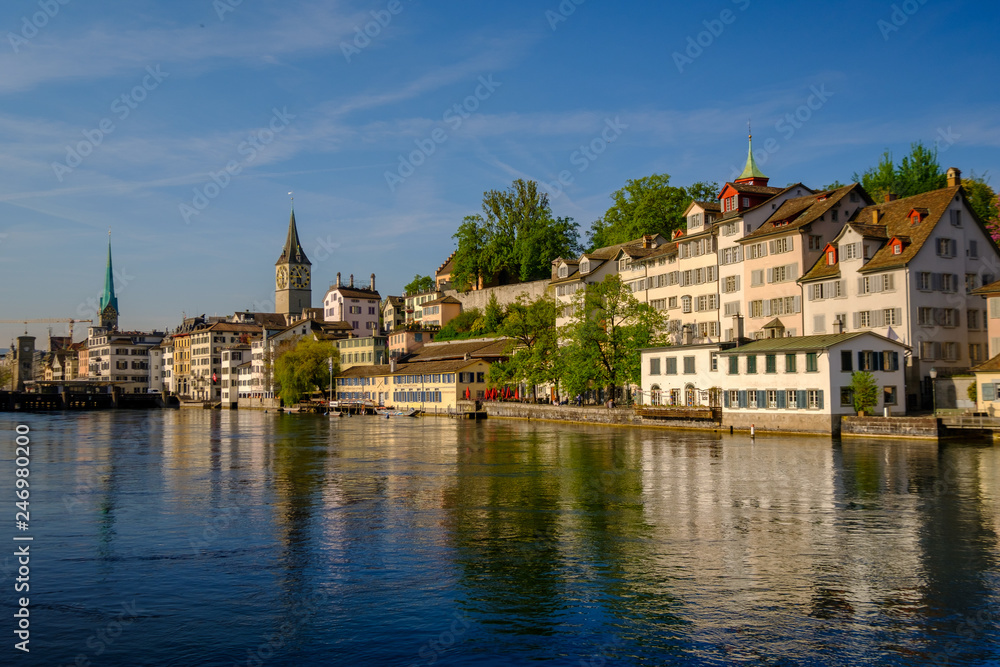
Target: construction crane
{"points": [[50, 320]]}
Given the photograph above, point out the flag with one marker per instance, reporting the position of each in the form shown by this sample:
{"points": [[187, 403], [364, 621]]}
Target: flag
{"points": [[215, 378], [892, 335]]}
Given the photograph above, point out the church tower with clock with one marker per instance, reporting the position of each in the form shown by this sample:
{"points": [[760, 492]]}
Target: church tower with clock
{"points": [[292, 286], [108, 311]]}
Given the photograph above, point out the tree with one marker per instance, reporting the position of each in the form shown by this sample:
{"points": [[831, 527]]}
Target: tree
{"points": [[648, 205], [983, 202], [972, 392], [304, 367], [419, 284], [603, 340], [467, 324], [916, 173], [514, 239], [533, 350], [865, 390]]}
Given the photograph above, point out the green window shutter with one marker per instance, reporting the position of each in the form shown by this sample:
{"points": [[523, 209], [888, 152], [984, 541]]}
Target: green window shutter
{"points": [[819, 396], [743, 398], [725, 399], [781, 399], [801, 402], [989, 393], [761, 398]]}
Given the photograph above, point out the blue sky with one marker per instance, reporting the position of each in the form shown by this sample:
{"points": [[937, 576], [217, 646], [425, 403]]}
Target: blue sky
{"points": [[119, 113]]}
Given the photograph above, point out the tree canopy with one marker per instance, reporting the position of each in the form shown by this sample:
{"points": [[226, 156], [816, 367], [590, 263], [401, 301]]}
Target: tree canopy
{"points": [[514, 239], [603, 340], [864, 390], [530, 326], [303, 368], [916, 173], [648, 205], [419, 284], [983, 201]]}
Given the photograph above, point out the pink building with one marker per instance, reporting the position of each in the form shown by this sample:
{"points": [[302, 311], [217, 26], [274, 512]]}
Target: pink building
{"points": [[358, 306]]}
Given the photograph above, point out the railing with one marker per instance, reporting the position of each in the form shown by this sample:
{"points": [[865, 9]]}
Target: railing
{"points": [[971, 421]]}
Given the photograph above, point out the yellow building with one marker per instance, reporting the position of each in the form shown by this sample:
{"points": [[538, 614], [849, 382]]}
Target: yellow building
{"points": [[988, 386], [364, 351], [431, 386]]}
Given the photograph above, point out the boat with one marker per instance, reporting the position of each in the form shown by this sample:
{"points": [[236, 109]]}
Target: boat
{"points": [[389, 412]]}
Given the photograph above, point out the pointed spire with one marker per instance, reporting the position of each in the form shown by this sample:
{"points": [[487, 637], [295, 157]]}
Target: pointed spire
{"points": [[292, 252], [108, 298], [750, 171]]}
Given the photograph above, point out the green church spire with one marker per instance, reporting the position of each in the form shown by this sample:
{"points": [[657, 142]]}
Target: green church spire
{"points": [[108, 298], [751, 170]]}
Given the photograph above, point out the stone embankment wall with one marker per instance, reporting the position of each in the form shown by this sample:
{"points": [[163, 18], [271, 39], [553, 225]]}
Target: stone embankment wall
{"points": [[762, 422], [505, 294], [587, 415], [258, 403], [892, 427]]}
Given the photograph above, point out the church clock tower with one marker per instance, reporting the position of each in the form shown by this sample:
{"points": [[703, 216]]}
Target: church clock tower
{"points": [[292, 286]]}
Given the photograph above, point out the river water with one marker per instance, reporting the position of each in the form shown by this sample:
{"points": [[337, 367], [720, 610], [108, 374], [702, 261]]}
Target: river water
{"points": [[244, 538]]}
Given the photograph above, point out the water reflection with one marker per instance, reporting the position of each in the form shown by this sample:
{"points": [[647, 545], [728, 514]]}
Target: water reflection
{"points": [[297, 540]]}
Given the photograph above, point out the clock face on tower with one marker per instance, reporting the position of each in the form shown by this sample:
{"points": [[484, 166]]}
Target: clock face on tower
{"points": [[300, 277], [281, 279]]}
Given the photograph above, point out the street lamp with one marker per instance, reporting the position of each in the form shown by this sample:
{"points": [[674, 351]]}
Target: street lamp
{"points": [[933, 374]]}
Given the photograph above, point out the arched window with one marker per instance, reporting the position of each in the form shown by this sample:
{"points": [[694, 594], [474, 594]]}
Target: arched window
{"points": [[654, 395]]}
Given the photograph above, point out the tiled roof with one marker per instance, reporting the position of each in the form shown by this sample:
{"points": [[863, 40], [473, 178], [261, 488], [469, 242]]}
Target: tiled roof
{"points": [[821, 271], [990, 365], [232, 326], [493, 347], [894, 216], [444, 299], [803, 343], [713, 206], [798, 212], [747, 189], [355, 292], [993, 289]]}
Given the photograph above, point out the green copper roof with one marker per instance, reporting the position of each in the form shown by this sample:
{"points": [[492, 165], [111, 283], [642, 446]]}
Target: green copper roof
{"points": [[108, 298], [751, 170]]}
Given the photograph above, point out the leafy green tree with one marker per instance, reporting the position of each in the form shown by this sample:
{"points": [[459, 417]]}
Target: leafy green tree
{"points": [[467, 324], [972, 392], [603, 340], [493, 316], [833, 186], [983, 201], [916, 173], [648, 205], [533, 350], [304, 367], [864, 390], [419, 284], [514, 239]]}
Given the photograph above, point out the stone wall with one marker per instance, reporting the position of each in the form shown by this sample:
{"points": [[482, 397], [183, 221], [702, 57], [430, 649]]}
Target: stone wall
{"points": [[505, 294], [892, 427], [588, 415], [782, 422], [258, 403]]}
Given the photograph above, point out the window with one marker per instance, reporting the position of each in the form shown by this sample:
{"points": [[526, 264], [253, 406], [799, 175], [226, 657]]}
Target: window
{"points": [[819, 323], [778, 246], [831, 257], [671, 366], [945, 247], [771, 363], [757, 277], [751, 398], [924, 281], [846, 361], [686, 304], [734, 397], [852, 250], [973, 251], [972, 316], [889, 396], [756, 251], [846, 397], [688, 365], [715, 361], [672, 302], [654, 366], [956, 218], [563, 271], [734, 365], [815, 242], [731, 284], [772, 398], [812, 365], [813, 399], [751, 363]]}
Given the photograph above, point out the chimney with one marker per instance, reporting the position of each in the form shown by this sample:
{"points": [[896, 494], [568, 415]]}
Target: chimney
{"points": [[338, 278], [352, 280], [392, 365], [686, 335], [737, 327], [373, 282], [838, 326], [954, 177], [890, 196]]}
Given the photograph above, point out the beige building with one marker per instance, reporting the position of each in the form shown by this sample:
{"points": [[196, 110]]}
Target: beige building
{"points": [[439, 312]]}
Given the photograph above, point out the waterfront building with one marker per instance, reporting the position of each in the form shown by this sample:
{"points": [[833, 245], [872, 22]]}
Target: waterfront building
{"points": [[906, 269], [358, 306], [156, 368], [168, 365], [432, 386], [292, 275], [121, 357], [439, 312], [234, 357], [365, 351], [206, 348], [802, 383], [181, 372], [686, 375], [991, 293], [393, 313], [782, 249]]}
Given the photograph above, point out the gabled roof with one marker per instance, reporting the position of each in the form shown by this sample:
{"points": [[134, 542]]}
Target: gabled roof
{"points": [[993, 289], [796, 213], [747, 189], [804, 343], [356, 292], [447, 266], [991, 365], [292, 252], [444, 299], [774, 324], [476, 349]]}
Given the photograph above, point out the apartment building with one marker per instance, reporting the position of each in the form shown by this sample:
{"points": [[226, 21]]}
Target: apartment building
{"points": [[906, 269], [358, 306], [207, 345], [121, 357]]}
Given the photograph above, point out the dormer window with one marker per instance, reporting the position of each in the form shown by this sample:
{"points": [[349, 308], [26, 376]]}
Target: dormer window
{"points": [[831, 256], [585, 266], [897, 248], [563, 271]]}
